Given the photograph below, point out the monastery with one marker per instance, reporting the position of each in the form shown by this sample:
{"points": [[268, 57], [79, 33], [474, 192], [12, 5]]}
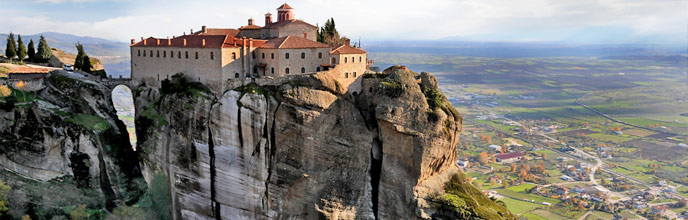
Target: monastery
{"points": [[214, 56]]}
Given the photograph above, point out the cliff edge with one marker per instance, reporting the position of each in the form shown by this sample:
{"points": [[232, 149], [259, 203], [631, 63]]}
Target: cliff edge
{"points": [[302, 148]]}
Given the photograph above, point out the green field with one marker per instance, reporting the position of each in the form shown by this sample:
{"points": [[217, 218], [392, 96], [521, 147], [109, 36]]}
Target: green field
{"points": [[519, 207]]}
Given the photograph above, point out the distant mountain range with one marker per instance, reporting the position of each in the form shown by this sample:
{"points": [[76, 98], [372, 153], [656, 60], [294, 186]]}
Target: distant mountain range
{"points": [[93, 46]]}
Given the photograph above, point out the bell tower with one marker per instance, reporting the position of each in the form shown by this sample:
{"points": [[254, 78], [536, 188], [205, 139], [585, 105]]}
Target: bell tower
{"points": [[284, 13]]}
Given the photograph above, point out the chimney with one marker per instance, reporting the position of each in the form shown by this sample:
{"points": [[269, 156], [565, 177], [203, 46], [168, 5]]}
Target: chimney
{"points": [[348, 42], [268, 19], [184, 34], [185, 42], [191, 31], [204, 29], [144, 42], [158, 42], [250, 21], [169, 42], [204, 42], [133, 41]]}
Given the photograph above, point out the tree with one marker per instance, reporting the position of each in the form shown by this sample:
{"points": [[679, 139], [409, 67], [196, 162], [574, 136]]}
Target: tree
{"points": [[328, 34], [44, 51], [79, 61], [32, 50], [11, 50], [86, 66], [493, 181], [5, 91], [482, 159], [3, 197], [21, 49], [505, 184]]}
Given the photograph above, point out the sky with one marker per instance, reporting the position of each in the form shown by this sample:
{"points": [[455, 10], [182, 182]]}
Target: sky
{"points": [[573, 21]]}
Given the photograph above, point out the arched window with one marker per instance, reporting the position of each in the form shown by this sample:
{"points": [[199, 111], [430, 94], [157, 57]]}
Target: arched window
{"points": [[171, 54], [346, 75], [360, 59], [179, 54], [212, 55], [272, 56], [354, 74], [303, 55], [157, 53], [144, 53], [197, 55], [186, 54], [164, 53], [286, 56], [319, 55], [317, 69], [233, 56], [345, 60], [272, 70], [303, 70], [262, 56], [253, 54], [236, 75], [286, 70], [334, 60], [151, 53], [353, 60], [139, 52]]}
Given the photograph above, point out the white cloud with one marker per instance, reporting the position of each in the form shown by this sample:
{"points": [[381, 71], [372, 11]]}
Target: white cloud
{"points": [[382, 19]]}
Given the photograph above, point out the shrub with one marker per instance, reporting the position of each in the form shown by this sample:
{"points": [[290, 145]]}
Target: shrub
{"points": [[80, 213], [5, 91], [157, 200], [433, 96]]}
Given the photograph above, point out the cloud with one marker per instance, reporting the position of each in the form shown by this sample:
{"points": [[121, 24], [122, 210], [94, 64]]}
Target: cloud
{"points": [[382, 19]]}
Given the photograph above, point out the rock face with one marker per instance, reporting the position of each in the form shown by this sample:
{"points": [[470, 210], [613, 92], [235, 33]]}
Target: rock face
{"points": [[60, 58], [70, 129], [301, 149]]}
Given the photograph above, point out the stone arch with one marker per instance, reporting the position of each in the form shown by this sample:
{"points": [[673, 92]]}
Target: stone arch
{"points": [[123, 101]]}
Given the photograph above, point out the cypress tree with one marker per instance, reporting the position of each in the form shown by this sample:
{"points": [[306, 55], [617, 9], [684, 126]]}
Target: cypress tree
{"points": [[79, 62], [86, 66], [21, 49], [44, 51], [11, 49], [32, 50]]}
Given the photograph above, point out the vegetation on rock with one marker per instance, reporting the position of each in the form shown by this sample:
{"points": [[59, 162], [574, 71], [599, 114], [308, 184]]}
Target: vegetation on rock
{"points": [[463, 201]]}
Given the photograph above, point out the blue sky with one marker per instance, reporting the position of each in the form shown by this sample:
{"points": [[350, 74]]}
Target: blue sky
{"points": [[578, 21]]}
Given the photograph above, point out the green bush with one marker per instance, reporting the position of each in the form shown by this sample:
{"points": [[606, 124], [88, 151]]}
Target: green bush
{"points": [[157, 201], [433, 96]]}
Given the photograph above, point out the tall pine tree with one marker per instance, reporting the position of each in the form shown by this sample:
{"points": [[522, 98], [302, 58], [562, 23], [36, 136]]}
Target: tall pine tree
{"points": [[32, 50], [21, 49], [44, 51], [328, 34], [86, 66], [11, 50], [79, 61]]}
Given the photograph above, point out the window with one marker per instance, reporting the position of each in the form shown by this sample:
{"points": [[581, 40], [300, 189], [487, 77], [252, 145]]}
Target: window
{"points": [[353, 60], [186, 54], [234, 56], [171, 54], [262, 56], [197, 55], [286, 56], [255, 69], [344, 59], [272, 56], [212, 55], [286, 71], [179, 54], [144, 53], [151, 53], [354, 74], [303, 70], [272, 70], [334, 60], [157, 53], [236, 75], [360, 59], [319, 55], [253, 54], [346, 75], [317, 69], [139, 52], [164, 53], [303, 55]]}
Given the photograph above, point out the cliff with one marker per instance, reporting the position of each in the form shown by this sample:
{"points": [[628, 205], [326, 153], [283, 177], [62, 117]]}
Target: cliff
{"points": [[64, 147], [300, 148]]}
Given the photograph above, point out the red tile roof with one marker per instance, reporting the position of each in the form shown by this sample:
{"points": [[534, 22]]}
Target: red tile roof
{"points": [[285, 6], [192, 41], [220, 31], [29, 70], [292, 42], [346, 49], [250, 27], [509, 155], [280, 24]]}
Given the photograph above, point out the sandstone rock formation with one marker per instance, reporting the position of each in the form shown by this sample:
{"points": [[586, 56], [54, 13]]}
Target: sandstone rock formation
{"points": [[301, 148], [60, 58]]}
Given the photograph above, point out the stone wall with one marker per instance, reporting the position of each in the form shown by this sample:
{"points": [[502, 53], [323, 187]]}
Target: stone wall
{"points": [[166, 61]]}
